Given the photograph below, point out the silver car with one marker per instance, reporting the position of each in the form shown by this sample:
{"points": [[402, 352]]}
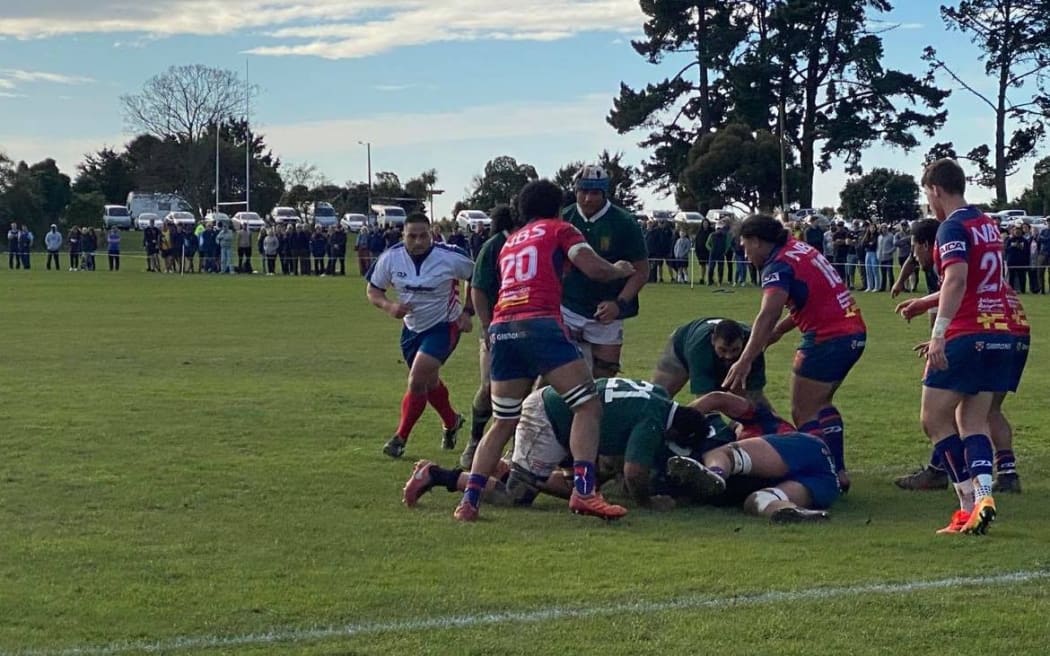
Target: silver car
{"points": [[116, 216], [251, 220], [181, 219]]}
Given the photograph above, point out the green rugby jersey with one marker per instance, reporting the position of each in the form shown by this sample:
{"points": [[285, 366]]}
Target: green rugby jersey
{"points": [[615, 235], [692, 345], [486, 267]]}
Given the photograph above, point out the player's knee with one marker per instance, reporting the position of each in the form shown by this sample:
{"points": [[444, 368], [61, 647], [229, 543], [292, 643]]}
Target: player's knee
{"points": [[482, 404], [506, 408], [758, 502], [522, 486], [605, 368]]}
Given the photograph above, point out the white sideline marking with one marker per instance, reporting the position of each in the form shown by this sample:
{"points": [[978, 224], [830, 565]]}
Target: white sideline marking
{"points": [[279, 635]]}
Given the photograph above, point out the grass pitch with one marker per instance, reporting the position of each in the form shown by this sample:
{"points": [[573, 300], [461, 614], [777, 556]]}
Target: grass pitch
{"points": [[192, 465]]}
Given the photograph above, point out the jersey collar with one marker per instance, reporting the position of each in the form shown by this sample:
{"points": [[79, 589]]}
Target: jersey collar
{"points": [[597, 215]]}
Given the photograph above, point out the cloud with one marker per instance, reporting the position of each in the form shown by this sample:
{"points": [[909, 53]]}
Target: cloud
{"points": [[41, 76], [6, 94], [332, 29], [394, 87]]}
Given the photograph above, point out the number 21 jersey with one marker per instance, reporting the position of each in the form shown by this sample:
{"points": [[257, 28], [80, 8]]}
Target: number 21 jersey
{"points": [[531, 265]]}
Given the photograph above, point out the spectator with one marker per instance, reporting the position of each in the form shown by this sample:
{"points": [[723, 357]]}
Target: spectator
{"points": [[318, 247], [741, 263], [225, 240], [364, 256], [700, 247], [151, 242], [74, 249], [167, 247], [654, 240], [477, 239], [870, 250], [717, 247], [1033, 258], [887, 247], [271, 246], [244, 249], [113, 248], [259, 248], [435, 234], [89, 244], [902, 240], [14, 259], [814, 235], [457, 238], [376, 244], [177, 246], [840, 247], [53, 243], [682, 246], [1042, 258], [285, 245], [25, 244], [190, 246], [393, 236], [1018, 258], [302, 249], [337, 251], [209, 247]]}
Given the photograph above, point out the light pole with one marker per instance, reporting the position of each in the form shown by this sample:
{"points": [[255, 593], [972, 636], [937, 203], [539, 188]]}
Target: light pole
{"points": [[368, 146]]}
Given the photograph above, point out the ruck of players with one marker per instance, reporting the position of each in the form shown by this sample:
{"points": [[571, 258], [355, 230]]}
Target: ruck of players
{"points": [[555, 293]]}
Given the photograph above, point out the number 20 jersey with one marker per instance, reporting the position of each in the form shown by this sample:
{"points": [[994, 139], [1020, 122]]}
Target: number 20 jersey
{"points": [[989, 304], [531, 265]]}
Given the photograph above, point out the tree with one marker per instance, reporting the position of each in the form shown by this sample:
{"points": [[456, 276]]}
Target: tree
{"points": [[85, 208], [835, 90], [500, 182], [305, 174], [107, 173], [733, 165], [881, 195], [1013, 38], [678, 109], [22, 200], [53, 186], [185, 102], [1036, 199]]}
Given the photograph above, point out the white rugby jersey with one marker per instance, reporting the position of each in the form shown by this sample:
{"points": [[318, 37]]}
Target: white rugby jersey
{"points": [[431, 288]]}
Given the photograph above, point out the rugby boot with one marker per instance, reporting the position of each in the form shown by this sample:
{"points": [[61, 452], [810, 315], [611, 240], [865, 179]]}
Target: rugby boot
{"points": [[418, 484], [982, 516], [690, 474], [796, 515], [466, 512], [596, 505], [1010, 483], [395, 447], [466, 459], [955, 525], [926, 478], [448, 438]]}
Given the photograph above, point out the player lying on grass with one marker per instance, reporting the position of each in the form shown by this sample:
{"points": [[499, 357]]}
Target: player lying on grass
{"points": [[637, 417], [797, 469]]}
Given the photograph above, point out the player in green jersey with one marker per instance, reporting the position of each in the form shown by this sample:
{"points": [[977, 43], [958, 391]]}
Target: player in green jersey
{"points": [[594, 311], [637, 418], [484, 288]]}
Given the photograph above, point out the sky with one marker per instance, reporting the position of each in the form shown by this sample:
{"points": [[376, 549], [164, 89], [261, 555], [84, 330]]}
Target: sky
{"points": [[442, 84]]}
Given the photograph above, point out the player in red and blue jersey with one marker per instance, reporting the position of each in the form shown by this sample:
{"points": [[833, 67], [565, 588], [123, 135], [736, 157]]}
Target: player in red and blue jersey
{"points": [[528, 339], [978, 345], [796, 275]]}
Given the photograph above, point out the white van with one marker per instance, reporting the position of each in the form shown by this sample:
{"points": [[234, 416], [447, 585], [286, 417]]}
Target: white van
{"points": [[388, 216], [116, 216]]}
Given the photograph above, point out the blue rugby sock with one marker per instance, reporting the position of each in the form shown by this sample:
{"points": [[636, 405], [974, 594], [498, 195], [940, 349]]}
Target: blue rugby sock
{"points": [[936, 462], [1005, 462], [979, 457], [475, 486], [583, 477], [834, 433], [952, 453]]}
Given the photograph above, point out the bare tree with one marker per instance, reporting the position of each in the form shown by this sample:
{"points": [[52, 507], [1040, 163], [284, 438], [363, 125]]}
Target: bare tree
{"points": [[184, 101], [305, 174]]}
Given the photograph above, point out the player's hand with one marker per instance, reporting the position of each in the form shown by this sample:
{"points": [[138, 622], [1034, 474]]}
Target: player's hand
{"points": [[608, 311], [398, 310], [625, 268], [910, 309], [897, 288], [737, 376], [774, 337], [935, 356], [464, 323], [922, 349], [661, 503]]}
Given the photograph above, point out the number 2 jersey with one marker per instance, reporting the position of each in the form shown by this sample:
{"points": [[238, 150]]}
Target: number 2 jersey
{"points": [[989, 304], [818, 299], [531, 264]]}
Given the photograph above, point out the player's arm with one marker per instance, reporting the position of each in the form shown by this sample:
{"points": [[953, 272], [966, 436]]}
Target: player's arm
{"points": [[952, 290], [377, 297], [773, 301], [907, 270], [595, 266], [783, 327]]}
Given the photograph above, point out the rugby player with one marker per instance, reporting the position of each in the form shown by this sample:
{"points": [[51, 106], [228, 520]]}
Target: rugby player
{"points": [[796, 275], [484, 287], [637, 417], [528, 338], [933, 476], [426, 277], [797, 470], [701, 352], [594, 310], [973, 353]]}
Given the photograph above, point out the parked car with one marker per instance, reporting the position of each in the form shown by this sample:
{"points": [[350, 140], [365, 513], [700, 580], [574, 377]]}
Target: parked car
{"points": [[151, 202], [143, 219], [282, 215], [251, 220], [688, 217], [661, 215], [389, 216], [322, 214], [469, 220], [354, 222], [723, 216], [218, 218], [182, 219], [116, 216]]}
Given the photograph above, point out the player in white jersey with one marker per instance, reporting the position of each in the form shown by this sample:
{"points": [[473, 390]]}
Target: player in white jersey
{"points": [[426, 277]]}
